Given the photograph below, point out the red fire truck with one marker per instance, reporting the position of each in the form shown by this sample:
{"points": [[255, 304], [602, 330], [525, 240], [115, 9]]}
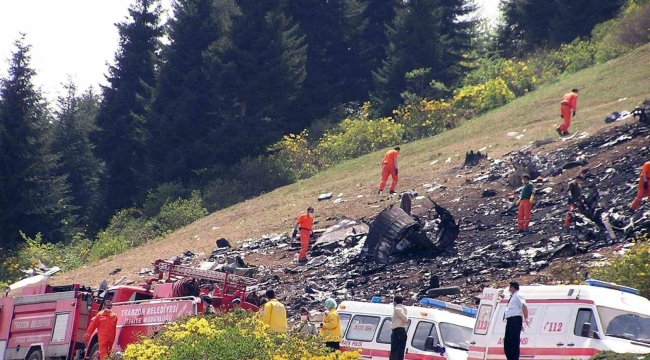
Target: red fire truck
{"points": [[49, 322]]}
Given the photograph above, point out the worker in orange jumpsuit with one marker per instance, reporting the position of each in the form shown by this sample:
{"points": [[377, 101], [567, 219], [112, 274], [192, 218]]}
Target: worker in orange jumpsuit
{"points": [[389, 168], [525, 203], [106, 324], [304, 224], [644, 188], [569, 103]]}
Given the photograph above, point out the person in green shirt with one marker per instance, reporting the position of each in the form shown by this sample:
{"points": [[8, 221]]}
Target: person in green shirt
{"points": [[525, 203]]}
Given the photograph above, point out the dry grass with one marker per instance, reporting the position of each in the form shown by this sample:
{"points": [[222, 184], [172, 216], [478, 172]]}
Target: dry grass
{"points": [[600, 87]]}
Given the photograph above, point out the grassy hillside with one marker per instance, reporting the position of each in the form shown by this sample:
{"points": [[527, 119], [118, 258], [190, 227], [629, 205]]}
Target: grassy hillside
{"points": [[601, 89]]}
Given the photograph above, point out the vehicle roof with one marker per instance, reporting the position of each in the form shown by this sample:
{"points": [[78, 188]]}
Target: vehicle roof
{"points": [[598, 295], [417, 312]]}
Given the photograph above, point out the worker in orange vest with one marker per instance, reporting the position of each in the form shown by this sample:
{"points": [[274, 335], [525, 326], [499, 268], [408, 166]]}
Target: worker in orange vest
{"points": [[525, 203], [389, 168], [644, 188], [569, 103], [304, 224], [106, 324]]}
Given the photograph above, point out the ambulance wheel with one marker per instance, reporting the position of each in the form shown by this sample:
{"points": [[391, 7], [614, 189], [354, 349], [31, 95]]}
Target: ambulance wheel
{"points": [[35, 355], [94, 352]]}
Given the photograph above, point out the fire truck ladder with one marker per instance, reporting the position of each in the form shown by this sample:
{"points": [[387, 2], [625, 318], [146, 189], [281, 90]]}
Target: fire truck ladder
{"points": [[175, 269]]}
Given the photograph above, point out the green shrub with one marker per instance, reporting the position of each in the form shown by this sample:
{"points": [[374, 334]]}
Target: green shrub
{"points": [[610, 355], [634, 28], [162, 195], [180, 213], [578, 55], [220, 194], [262, 174], [34, 252], [630, 269], [128, 228], [608, 46], [108, 244]]}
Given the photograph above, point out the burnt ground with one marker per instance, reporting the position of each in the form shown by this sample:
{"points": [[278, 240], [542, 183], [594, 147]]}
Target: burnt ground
{"points": [[488, 251]]}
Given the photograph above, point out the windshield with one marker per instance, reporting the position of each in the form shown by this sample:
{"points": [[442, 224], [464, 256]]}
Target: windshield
{"points": [[623, 324], [455, 336]]}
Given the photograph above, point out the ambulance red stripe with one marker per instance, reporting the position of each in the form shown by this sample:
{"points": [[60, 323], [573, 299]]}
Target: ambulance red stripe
{"points": [[386, 354], [549, 351], [556, 301]]}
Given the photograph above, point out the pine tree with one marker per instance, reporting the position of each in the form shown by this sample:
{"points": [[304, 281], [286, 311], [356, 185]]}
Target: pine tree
{"points": [[337, 72], [33, 198], [122, 135], [529, 23], [456, 37], [426, 34], [187, 109], [75, 120], [379, 15], [263, 71]]}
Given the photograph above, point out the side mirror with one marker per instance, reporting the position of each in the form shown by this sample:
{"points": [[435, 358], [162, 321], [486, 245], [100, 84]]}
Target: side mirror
{"points": [[594, 335], [586, 330], [431, 344]]}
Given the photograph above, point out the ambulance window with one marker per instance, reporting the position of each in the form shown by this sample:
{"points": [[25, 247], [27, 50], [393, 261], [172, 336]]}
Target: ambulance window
{"points": [[422, 332], [384, 333], [362, 328], [455, 336], [345, 319], [585, 316]]}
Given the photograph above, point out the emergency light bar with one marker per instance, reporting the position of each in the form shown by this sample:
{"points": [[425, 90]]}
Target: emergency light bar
{"points": [[607, 285], [449, 306]]}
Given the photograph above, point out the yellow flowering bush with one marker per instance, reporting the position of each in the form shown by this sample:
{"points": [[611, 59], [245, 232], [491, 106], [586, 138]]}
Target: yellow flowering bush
{"points": [[304, 158], [426, 118], [355, 137], [482, 97], [233, 336], [519, 76], [630, 269]]}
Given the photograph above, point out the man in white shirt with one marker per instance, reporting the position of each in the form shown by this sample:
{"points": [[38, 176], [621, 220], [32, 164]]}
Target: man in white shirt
{"points": [[515, 315], [398, 327]]}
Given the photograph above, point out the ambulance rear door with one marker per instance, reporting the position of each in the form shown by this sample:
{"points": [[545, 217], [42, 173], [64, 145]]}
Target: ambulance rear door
{"points": [[550, 325], [482, 328]]}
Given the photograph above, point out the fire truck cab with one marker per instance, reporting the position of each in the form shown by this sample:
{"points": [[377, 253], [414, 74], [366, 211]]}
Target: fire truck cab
{"points": [[45, 322], [566, 322], [49, 322], [440, 333]]}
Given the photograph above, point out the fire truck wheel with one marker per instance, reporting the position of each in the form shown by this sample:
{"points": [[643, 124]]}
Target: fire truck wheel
{"points": [[35, 355], [94, 352]]}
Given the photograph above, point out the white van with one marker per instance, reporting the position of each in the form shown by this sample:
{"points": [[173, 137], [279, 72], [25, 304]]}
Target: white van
{"points": [[432, 333], [566, 322]]}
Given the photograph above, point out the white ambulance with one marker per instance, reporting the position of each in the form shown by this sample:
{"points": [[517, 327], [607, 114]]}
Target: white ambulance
{"points": [[566, 322], [440, 333]]}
